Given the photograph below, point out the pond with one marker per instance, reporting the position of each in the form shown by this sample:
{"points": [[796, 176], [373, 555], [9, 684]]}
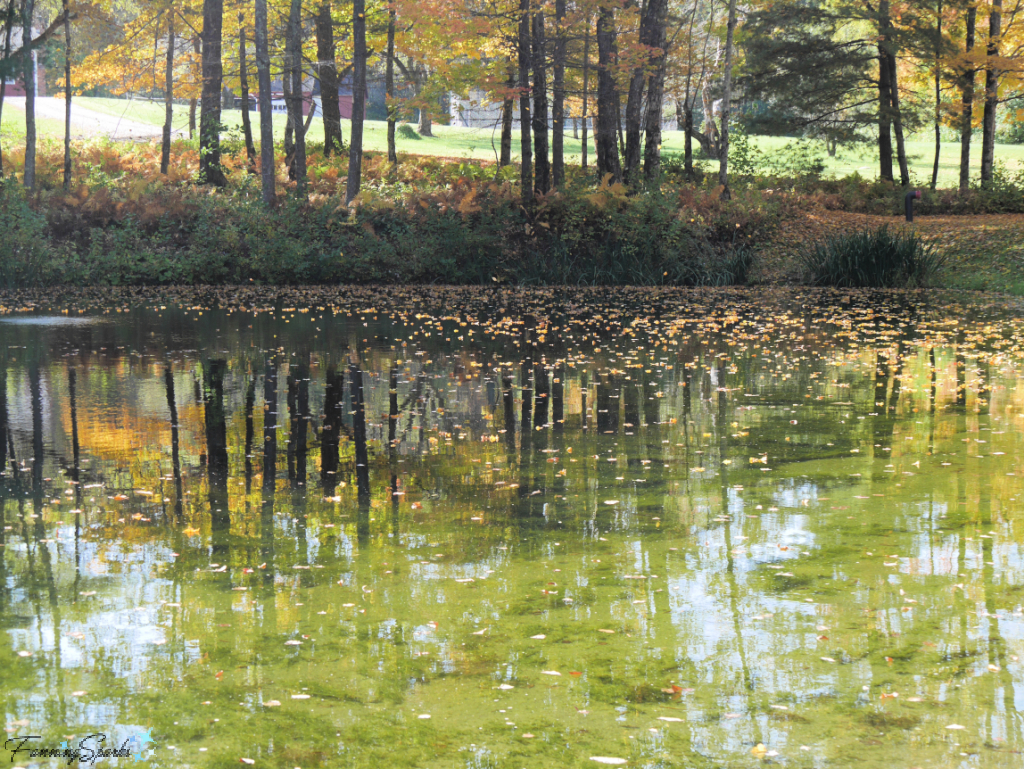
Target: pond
{"points": [[551, 528]]}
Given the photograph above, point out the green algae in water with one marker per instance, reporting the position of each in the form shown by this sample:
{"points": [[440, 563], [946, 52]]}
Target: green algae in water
{"points": [[515, 529]]}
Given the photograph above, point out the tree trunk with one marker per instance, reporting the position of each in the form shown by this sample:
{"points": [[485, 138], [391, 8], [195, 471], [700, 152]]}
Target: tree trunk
{"points": [[9, 22], [967, 104], [723, 169], [607, 97], [389, 88], [988, 122], [586, 90], [267, 170], [525, 140], [67, 97], [327, 73], [634, 100], [289, 125], [655, 92], [210, 171], [165, 144], [884, 97], [507, 108], [897, 124], [355, 150], [558, 102], [688, 141], [938, 94], [243, 84], [293, 71], [542, 169], [423, 124], [28, 63], [193, 103]]}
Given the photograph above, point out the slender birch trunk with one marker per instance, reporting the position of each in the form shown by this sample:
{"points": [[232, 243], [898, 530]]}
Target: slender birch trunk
{"points": [[355, 150], [267, 176]]}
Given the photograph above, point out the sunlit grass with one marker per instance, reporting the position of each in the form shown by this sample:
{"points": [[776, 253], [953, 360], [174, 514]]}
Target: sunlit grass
{"points": [[484, 143]]}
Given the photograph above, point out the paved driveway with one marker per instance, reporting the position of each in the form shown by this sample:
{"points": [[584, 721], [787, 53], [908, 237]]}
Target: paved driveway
{"points": [[86, 122]]}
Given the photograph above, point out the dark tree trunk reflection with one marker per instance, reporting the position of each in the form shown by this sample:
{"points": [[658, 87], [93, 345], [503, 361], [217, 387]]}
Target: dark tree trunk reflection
{"points": [[330, 440], [269, 472], [217, 453], [362, 458], [175, 455]]}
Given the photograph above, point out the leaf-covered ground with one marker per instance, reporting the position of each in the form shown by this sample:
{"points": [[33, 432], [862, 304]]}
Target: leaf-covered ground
{"points": [[984, 252]]}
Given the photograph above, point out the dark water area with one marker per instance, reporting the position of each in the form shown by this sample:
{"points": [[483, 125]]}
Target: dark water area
{"points": [[464, 528]]}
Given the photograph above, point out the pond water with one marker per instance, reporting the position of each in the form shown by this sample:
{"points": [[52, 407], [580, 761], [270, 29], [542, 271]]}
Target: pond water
{"points": [[454, 528]]}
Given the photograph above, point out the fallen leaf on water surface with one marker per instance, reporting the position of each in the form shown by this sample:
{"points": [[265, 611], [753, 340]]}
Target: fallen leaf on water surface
{"points": [[759, 750], [550, 673], [670, 718], [78, 694], [575, 673], [914, 699], [272, 704], [246, 761], [827, 659], [527, 736], [539, 637], [423, 715], [481, 632], [956, 726], [506, 686], [300, 696], [293, 642], [608, 760], [602, 630]]}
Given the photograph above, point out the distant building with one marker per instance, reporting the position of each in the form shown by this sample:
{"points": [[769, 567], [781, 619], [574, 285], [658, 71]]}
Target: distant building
{"points": [[15, 80], [311, 99], [478, 112]]}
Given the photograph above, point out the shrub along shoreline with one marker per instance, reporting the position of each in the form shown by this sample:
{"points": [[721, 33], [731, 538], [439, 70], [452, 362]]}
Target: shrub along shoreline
{"points": [[426, 221], [470, 233]]}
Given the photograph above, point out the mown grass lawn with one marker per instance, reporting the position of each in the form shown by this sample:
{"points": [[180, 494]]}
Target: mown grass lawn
{"points": [[483, 143]]}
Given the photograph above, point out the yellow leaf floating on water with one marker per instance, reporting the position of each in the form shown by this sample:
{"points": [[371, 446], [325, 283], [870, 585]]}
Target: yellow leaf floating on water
{"points": [[759, 750]]}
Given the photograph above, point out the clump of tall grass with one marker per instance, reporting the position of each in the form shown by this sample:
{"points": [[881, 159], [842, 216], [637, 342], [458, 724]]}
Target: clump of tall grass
{"points": [[873, 259]]}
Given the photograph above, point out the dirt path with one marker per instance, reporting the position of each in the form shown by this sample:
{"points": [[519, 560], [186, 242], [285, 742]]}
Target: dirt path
{"points": [[87, 123]]}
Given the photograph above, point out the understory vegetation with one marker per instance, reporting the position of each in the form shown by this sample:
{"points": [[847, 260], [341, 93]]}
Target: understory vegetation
{"points": [[437, 220], [428, 221], [872, 259]]}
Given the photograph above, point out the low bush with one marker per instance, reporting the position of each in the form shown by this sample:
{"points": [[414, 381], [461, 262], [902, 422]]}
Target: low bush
{"points": [[472, 232], [406, 131], [872, 259], [1003, 195]]}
